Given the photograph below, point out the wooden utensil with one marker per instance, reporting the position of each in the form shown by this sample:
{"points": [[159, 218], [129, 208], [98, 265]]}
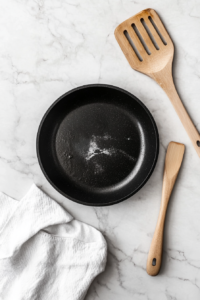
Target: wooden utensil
{"points": [[173, 160], [149, 49]]}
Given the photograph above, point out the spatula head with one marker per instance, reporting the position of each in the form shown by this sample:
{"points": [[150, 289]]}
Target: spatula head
{"points": [[174, 157], [145, 42]]}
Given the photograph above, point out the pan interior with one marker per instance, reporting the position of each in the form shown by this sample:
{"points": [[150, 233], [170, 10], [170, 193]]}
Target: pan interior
{"points": [[97, 145]]}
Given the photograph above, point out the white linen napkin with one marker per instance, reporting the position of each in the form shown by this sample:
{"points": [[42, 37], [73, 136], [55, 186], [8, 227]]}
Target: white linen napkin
{"points": [[44, 252]]}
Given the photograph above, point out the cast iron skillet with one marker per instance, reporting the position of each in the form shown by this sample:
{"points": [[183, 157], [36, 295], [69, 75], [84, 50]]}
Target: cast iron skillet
{"points": [[97, 145]]}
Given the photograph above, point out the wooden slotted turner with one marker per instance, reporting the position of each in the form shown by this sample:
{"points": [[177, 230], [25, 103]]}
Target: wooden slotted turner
{"points": [[149, 50], [173, 161]]}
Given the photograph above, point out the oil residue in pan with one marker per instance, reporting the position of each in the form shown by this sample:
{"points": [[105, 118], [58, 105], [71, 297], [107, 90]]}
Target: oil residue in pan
{"points": [[94, 149]]}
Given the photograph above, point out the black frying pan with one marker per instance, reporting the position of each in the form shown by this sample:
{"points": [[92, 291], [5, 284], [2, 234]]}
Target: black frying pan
{"points": [[97, 145]]}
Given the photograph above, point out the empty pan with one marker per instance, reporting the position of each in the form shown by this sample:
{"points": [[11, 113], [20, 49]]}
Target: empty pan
{"points": [[97, 145]]}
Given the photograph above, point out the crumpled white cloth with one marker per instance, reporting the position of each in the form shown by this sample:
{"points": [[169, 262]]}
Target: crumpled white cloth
{"points": [[44, 253]]}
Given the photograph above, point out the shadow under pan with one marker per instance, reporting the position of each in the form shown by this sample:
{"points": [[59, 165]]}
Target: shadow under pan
{"points": [[97, 145]]}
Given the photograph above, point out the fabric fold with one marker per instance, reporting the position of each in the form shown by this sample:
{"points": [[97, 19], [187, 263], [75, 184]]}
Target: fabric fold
{"points": [[34, 212], [7, 208]]}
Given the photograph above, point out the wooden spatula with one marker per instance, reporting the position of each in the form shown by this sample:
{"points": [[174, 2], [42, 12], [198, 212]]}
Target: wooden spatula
{"points": [[149, 49], [173, 160]]}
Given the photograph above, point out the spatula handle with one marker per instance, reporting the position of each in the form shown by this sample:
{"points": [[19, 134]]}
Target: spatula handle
{"points": [[165, 80], [184, 117], [155, 253]]}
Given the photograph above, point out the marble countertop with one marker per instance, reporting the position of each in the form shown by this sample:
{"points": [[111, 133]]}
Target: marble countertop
{"points": [[50, 47]]}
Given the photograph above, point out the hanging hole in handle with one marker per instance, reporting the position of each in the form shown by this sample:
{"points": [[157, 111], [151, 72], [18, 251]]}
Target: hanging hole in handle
{"points": [[154, 262], [198, 143]]}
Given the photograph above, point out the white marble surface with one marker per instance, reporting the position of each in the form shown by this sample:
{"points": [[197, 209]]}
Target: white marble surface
{"points": [[50, 47]]}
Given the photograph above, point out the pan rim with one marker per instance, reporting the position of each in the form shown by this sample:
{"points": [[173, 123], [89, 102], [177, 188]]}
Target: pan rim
{"points": [[156, 148]]}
